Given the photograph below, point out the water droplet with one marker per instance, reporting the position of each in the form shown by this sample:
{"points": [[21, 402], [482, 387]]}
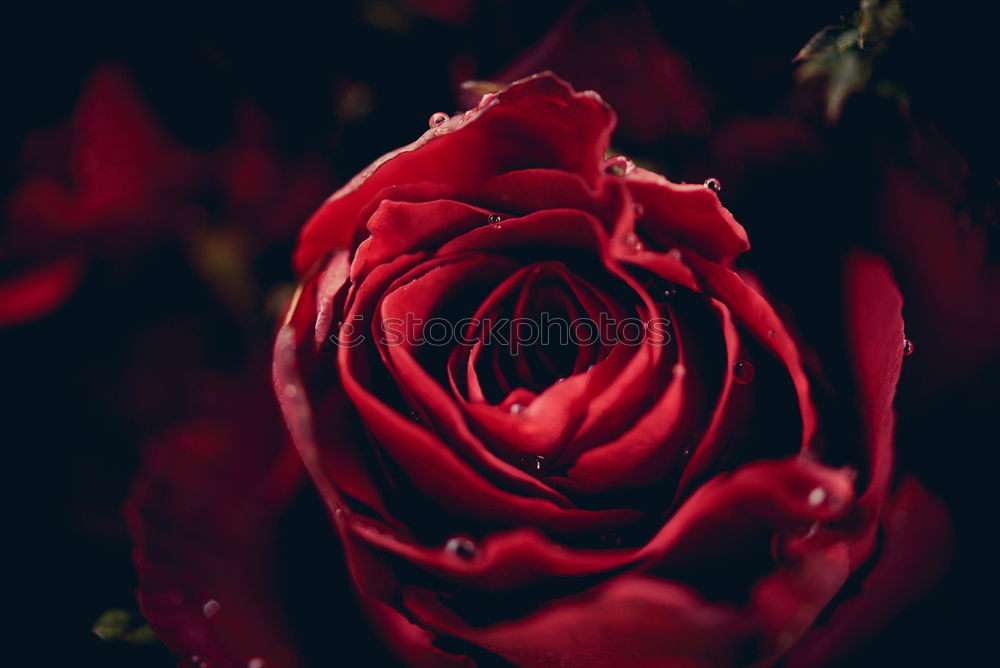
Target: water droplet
{"points": [[534, 464], [639, 211], [495, 220], [561, 379], [771, 333], [817, 496], [619, 164], [743, 372], [713, 184], [674, 254], [632, 243], [437, 119], [686, 452], [670, 293], [907, 347], [414, 415], [461, 547], [211, 608], [256, 662], [517, 408]]}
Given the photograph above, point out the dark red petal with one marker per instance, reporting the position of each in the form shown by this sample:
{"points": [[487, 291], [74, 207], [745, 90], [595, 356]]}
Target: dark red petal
{"points": [[753, 312], [528, 190], [707, 449], [403, 227], [537, 122], [780, 495], [772, 496], [689, 215], [633, 620], [874, 329], [39, 290], [915, 552], [945, 263], [203, 516]]}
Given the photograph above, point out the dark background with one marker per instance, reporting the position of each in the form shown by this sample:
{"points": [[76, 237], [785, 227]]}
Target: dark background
{"points": [[86, 385]]}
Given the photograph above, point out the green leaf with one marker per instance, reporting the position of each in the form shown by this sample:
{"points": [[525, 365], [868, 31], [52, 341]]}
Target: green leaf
{"points": [[123, 626]]}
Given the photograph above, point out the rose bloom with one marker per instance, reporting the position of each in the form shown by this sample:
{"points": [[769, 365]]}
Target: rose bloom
{"points": [[670, 502]]}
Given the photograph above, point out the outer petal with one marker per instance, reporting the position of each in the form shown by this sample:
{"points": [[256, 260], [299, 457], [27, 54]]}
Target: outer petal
{"points": [[875, 341], [691, 215], [917, 541], [637, 620], [537, 122]]}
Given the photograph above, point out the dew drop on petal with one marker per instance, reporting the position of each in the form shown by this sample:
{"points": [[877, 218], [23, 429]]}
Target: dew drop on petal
{"points": [[533, 464], [461, 547], [907, 347], [211, 608], [817, 496], [632, 243], [437, 119], [619, 164], [639, 210], [517, 408], [713, 184], [674, 254], [743, 372], [495, 220]]}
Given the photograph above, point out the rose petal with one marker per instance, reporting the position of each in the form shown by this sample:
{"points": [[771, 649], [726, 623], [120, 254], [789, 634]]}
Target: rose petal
{"points": [[915, 553], [690, 215], [542, 123], [874, 329]]}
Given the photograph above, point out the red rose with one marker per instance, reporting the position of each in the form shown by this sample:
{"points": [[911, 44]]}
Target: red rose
{"points": [[653, 500], [597, 504]]}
